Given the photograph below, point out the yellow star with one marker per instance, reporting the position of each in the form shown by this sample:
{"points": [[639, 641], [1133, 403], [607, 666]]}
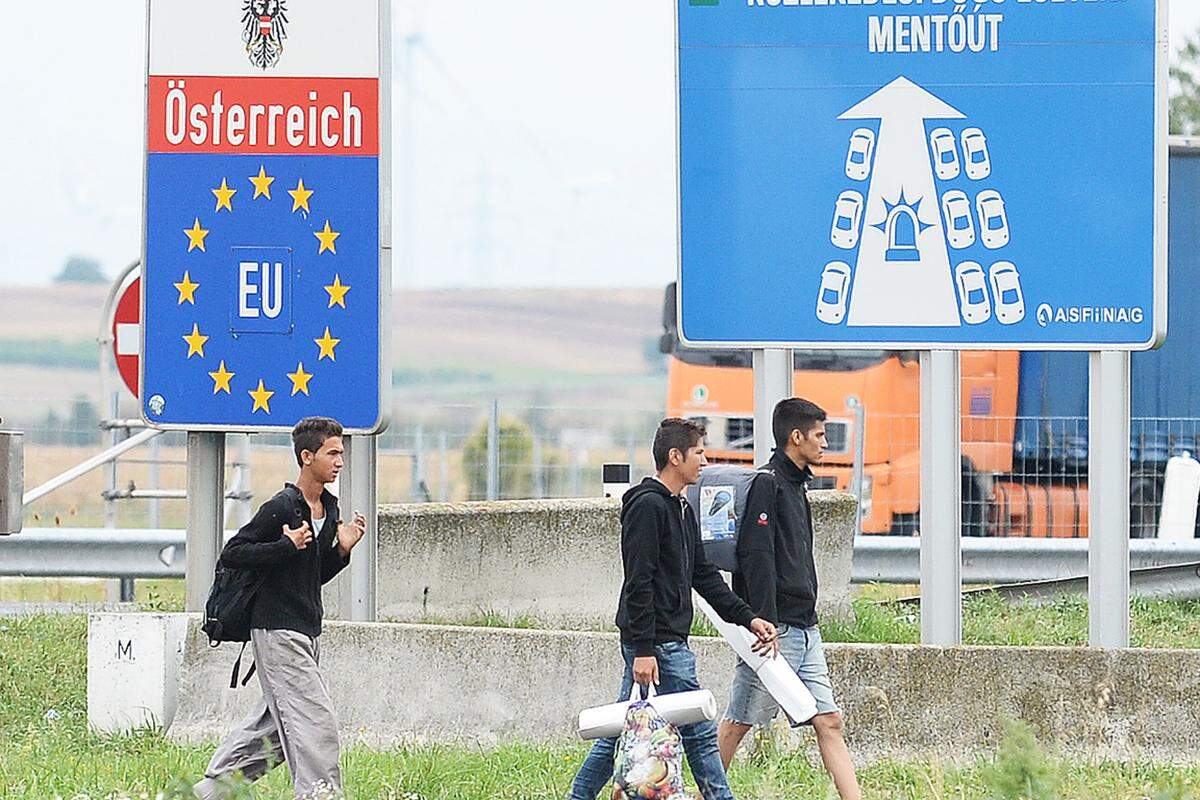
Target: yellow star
{"points": [[300, 197], [299, 379], [195, 236], [195, 342], [224, 195], [262, 398], [327, 343], [327, 237], [262, 184], [187, 289], [337, 292], [221, 379]]}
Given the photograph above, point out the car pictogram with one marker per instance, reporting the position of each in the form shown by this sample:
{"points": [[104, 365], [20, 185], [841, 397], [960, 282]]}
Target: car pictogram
{"points": [[847, 215], [945, 154], [993, 220]]}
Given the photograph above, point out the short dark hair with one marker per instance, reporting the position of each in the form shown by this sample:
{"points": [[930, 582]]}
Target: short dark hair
{"points": [[794, 413], [311, 432], [675, 433]]}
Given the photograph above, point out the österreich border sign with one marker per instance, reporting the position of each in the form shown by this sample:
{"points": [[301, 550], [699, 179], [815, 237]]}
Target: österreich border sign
{"points": [[923, 174], [265, 269]]}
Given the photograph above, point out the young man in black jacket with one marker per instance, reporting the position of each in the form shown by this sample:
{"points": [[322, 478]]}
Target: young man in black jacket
{"points": [[297, 543], [777, 577], [664, 561]]}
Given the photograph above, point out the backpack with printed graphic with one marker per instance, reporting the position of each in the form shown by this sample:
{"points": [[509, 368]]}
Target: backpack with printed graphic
{"points": [[719, 502]]}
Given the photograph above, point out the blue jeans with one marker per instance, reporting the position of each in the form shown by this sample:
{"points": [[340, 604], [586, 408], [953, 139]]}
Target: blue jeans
{"points": [[676, 673]]}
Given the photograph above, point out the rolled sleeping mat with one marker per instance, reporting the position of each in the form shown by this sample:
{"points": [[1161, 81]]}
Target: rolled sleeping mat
{"points": [[680, 708], [777, 676]]}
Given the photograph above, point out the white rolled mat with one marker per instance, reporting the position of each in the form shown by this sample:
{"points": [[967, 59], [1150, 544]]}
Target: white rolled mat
{"points": [[681, 708], [777, 676]]}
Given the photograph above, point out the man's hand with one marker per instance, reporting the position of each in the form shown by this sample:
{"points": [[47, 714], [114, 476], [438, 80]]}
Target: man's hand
{"points": [[767, 645], [645, 670], [351, 533], [300, 536]]}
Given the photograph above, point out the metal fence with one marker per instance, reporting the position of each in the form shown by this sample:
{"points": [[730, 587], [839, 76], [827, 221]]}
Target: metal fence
{"points": [[1022, 476], [429, 453]]}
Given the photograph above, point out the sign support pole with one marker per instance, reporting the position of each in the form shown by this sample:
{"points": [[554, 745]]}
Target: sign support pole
{"points": [[359, 492], [941, 506], [206, 512], [773, 372], [1108, 498]]}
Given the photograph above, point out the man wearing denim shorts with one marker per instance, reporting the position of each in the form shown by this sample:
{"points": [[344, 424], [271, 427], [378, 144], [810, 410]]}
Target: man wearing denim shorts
{"points": [[777, 578], [663, 561]]}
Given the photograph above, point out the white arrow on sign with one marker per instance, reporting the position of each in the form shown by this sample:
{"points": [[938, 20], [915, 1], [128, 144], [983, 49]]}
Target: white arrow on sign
{"points": [[903, 275]]}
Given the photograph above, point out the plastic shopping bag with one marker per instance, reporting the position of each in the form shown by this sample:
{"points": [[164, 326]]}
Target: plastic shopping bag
{"points": [[649, 762]]}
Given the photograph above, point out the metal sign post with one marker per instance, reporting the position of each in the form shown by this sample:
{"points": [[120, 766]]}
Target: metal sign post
{"points": [[266, 228], [359, 493], [772, 383], [941, 505], [206, 512], [1108, 499]]}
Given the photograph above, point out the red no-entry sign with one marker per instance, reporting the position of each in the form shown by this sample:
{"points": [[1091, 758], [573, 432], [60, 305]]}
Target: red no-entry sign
{"points": [[127, 334]]}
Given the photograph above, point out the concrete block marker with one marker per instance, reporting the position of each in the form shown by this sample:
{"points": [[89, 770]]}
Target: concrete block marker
{"points": [[134, 662]]}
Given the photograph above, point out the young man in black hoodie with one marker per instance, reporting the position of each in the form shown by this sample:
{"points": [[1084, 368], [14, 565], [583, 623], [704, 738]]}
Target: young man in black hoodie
{"points": [[778, 579], [297, 542], [663, 561]]}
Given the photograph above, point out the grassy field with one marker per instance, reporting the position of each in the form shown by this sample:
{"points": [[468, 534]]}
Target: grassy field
{"points": [[562, 347], [49, 753]]}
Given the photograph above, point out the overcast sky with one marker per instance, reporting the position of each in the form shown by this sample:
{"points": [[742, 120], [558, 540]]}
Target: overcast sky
{"points": [[541, 134]]}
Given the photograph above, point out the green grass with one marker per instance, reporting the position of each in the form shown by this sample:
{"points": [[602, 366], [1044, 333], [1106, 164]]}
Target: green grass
{"points": [[49, 753], [989, 619]]}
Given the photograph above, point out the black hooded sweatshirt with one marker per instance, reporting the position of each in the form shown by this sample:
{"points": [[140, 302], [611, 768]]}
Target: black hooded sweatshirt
{"points": [[776, 573], [290, 597], [664, 561]]}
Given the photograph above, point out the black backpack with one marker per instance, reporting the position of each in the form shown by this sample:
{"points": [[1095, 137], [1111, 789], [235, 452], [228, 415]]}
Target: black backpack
{"points": [[230, 602]]}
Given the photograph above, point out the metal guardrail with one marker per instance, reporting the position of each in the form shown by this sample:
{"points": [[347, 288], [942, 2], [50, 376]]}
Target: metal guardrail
{"points": [[897, 559], [94, 553], [160, 553]]}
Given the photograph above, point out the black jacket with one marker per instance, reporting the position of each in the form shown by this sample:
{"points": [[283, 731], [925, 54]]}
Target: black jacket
{"points": [[290, 597], [776, 574], [663, 559]]}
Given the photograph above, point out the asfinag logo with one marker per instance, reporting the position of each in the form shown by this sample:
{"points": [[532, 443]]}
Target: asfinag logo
{"points": [[1045, 314], [1089, 315]]}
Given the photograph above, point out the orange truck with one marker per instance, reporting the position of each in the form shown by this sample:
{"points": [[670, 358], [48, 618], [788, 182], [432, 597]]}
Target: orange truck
{"points": [[717, 387]]}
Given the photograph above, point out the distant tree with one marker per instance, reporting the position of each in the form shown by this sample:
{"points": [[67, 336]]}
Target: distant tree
{"points": [[80, 269], [516, 461], [1185, 88], [84, 425]]}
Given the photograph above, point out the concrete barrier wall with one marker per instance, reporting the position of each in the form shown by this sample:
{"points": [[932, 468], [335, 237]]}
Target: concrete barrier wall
{"points": [[554, 560], [403, 682]]}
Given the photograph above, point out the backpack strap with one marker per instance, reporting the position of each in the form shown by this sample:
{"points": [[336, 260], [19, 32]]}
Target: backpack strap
{"points": [[254, 665], [237, 667]]}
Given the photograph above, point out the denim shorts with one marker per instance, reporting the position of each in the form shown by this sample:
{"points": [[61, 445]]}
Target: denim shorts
{"points": [[749, 701]]}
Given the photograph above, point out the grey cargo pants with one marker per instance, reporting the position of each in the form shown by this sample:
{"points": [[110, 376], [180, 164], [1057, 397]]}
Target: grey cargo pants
{"points": [[293, 723]]}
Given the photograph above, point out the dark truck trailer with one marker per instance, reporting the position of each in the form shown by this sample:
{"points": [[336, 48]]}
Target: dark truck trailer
{"points": [[1051, 439]]}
